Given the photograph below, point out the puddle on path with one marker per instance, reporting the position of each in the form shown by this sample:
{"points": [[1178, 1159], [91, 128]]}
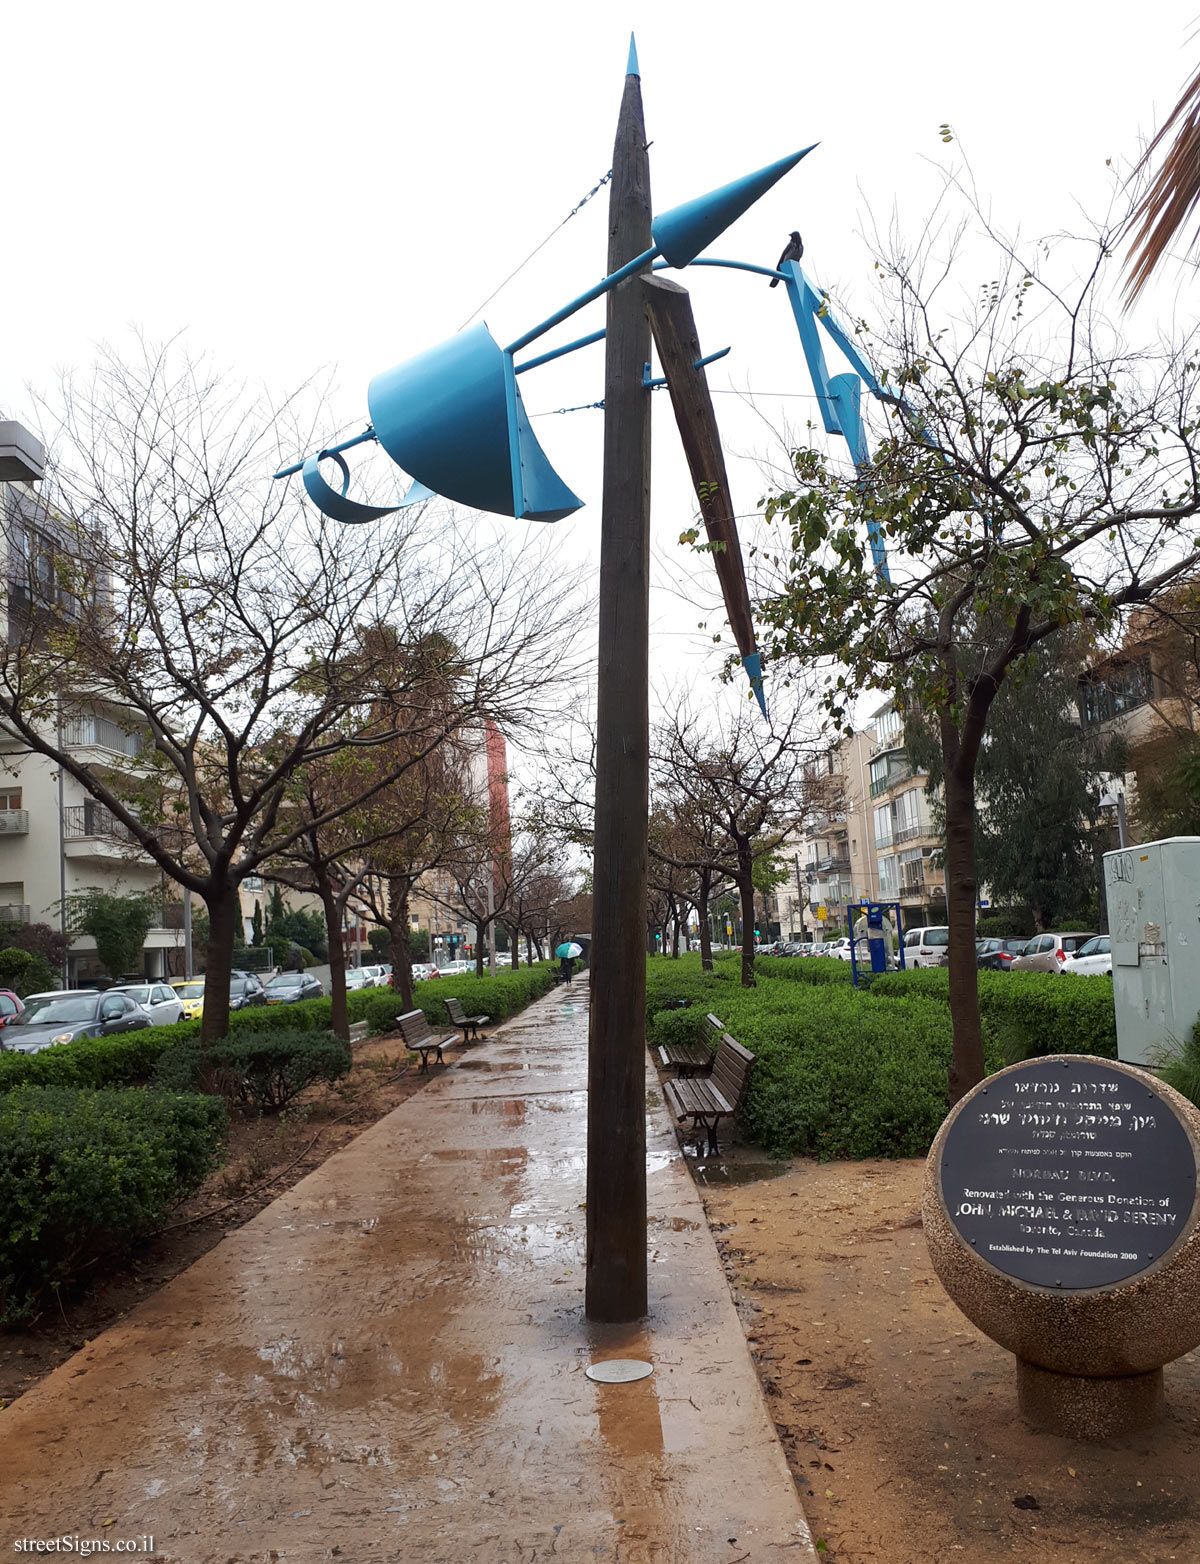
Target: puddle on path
{"points": [[727, 1173]]}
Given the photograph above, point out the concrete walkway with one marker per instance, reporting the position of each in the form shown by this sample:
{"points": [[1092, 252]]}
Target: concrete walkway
{"points": [[388, 1362]]}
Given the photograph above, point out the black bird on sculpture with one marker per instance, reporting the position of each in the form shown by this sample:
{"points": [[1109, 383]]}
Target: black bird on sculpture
{"points": [[793, 252]]}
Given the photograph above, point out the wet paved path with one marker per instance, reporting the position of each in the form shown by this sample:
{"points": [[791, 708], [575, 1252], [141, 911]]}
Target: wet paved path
{"points": [[388, 1362]]}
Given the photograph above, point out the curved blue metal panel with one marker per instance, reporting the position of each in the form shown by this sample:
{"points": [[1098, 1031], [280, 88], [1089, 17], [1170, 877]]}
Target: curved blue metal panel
{"points": [[330, 501], [444, 418], [684, 231]]}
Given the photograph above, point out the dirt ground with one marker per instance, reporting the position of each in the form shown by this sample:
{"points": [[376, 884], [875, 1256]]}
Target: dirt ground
{"points": [[265, 1157], [898, 1418]]}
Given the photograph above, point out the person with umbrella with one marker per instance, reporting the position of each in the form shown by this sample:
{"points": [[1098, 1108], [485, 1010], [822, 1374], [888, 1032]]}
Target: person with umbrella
{"points": [[566, 954]]}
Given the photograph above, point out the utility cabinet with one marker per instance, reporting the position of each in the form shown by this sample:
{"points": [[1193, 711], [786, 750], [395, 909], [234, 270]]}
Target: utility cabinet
{"points": [[1153, 895]]}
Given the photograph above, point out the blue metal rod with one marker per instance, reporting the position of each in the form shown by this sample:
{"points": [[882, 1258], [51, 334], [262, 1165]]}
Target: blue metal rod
{"points": [[737, 266], [329, 450], [603, 286], [580, 342]]}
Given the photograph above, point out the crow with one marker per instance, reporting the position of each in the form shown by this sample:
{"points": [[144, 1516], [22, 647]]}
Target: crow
{"points": [[793, 252]]}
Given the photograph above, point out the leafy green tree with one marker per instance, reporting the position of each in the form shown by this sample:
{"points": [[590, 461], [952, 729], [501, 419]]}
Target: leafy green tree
{"points": [[119, 925], [24, 972], [1038, 785], [1033, 474]]}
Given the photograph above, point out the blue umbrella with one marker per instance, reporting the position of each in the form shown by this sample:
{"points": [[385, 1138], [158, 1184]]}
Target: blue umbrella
{"points": [[569, 948]]}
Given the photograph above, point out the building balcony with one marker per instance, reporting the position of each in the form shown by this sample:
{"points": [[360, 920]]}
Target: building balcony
{"points": [[90, 831], [834, 863], [15, 913], [99, 741], [895, 775], [14, 822]]}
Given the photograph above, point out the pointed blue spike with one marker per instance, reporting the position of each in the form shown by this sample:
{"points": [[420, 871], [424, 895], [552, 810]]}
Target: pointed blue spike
{"points": [[632, 68], [753, 667], [683, 232]]}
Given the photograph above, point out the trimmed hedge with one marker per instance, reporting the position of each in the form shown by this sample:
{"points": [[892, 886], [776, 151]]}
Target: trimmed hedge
{"points": [[804, 969], [128, 1058], [83, 1173], [839, 1073], [263, 1070], [498, 997], [1032, 1013]]}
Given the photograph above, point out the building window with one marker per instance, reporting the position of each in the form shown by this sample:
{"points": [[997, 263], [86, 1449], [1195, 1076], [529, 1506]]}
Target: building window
{"points": [[10, 798], [1105, 696]]}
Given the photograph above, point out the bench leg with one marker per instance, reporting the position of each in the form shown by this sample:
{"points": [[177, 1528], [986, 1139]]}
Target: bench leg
{"points": [[440, 1060], [424, 1052], [713, 1149]]}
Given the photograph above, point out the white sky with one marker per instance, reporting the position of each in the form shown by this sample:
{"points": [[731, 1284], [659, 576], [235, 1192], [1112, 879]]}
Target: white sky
{"points": [[329, 189]]}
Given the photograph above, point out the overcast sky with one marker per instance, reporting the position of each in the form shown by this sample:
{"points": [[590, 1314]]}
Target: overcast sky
{"points": [[329, 189]]}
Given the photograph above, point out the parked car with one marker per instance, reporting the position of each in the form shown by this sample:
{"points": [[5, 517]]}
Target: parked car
{"points": [[160, 1002], [358, 977], [66, 1014], [191, 995], [1092, 959], [925, 947], [246, 988], [456, 968], [10, 1005], [997, 955], [837, 948], [1047, 952], [291, 987], [422, 972]]}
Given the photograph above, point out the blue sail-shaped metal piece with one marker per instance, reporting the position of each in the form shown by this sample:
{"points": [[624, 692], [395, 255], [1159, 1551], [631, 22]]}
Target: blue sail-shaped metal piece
{"points": [[683, 232], [453, 418], [753, 666], [332, 503]]}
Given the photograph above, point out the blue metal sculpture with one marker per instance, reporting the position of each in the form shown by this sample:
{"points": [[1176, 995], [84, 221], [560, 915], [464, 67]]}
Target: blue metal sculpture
{"points": [[453, 417]]}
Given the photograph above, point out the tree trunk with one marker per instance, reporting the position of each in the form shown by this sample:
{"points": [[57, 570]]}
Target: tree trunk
{"points": [[528, 949], [399, 939], [339, 1019], [480, 947], [514, 940], [675, 932], [966, 1064], [706, 962], [224, 910], [745, 885]]}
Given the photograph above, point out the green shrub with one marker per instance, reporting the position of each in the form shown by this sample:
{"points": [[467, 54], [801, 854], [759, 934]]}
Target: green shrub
{"points": [[1180, 1066], [128, 1058], [1004, 923], [83, 1173], [805, 969], [676, 1026], [122, 1059], [838, 1072], [263, 1070], [1032, 1013], [24, 971], [498, 997]]}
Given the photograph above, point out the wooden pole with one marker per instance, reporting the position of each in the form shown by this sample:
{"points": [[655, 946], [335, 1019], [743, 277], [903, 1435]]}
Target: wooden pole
{"points": [[616, 1168]]}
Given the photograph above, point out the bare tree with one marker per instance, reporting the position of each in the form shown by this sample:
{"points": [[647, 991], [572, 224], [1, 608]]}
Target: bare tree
{"points": [[237, 634], [745, 778]]}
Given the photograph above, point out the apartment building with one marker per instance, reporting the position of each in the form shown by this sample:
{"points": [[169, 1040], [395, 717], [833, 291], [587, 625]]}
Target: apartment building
{"points": [[902, 831], [56, 842]]}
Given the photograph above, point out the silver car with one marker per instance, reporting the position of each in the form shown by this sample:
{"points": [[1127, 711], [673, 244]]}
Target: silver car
{"points": [[1047, 952], [160, 1002]]}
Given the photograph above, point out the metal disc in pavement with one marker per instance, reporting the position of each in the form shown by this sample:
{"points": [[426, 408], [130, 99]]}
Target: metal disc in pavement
{"points": [[618, 1371]]}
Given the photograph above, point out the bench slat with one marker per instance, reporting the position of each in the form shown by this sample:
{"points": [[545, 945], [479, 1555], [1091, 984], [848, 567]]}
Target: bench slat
{"points": [[708, 1099]]}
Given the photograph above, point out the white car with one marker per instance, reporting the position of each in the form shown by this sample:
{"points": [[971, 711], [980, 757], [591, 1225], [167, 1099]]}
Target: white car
{"points": [[359, 977], [160, 1002], [456, 968], [839, 949], [1092, 959], [424, 971], [926, 947]]}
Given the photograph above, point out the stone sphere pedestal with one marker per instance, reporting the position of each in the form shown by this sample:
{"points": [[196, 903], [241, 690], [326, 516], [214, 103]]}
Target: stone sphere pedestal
{"points": [[1079, 1173]]}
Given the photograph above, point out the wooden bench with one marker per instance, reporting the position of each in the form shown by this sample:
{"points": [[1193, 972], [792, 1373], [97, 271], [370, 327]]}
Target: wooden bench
{"points": [[693, 1058], [419, 1039], [470, 1024], [707, 1099]]}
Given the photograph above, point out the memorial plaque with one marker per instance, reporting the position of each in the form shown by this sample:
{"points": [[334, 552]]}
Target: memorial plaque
{"points": [[1068, 1174]]}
